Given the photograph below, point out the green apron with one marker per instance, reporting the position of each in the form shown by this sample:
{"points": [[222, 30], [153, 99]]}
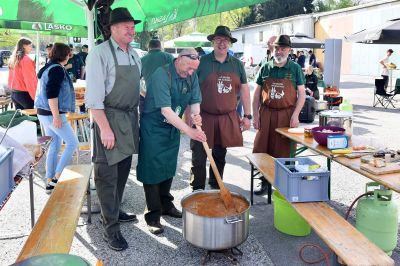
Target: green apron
{"points": [[159, 140], [121, 109]]}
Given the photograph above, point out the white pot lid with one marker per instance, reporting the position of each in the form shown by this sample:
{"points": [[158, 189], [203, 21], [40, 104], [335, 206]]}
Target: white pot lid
{"points": [[336, 113]]}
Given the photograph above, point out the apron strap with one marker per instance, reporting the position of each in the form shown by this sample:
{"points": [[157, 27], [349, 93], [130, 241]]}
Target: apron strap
{"points": [[113, 53]]}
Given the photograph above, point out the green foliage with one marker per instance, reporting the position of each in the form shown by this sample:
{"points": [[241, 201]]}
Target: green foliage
{"points": [[8, 39], [275, 9]]}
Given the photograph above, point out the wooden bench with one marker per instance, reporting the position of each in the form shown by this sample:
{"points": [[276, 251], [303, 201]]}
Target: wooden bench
{"points": [[55, 228], [345, 240]]}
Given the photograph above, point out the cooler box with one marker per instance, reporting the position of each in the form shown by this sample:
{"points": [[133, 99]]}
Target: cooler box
{"points": [[6, 179], [307, 114], [300, 186]]}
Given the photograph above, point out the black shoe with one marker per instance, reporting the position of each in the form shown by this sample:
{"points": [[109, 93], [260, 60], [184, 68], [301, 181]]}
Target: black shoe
{"points": [[51, 185], [116, 241], [155, 227], [173, 212], [126, 217], [213, 185], [261, 187]]}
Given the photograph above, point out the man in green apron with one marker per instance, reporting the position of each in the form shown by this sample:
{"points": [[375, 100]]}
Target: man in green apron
{"points": [[112, 94], [222, 77], [277, 101], [169, 90]]}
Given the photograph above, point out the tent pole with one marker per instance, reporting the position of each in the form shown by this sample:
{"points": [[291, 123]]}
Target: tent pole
{"points": [[90, 24], [37, 52]]}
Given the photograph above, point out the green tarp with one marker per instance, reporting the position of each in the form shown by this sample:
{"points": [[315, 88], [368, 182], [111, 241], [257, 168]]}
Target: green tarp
{"points": [[67, 17]]}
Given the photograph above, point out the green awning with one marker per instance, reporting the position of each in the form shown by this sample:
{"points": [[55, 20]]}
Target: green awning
{"points": [[67, 17]]}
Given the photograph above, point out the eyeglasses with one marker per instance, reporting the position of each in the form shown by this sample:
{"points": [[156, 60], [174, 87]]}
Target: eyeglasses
{"points": [[220, 40], [192, 56]]}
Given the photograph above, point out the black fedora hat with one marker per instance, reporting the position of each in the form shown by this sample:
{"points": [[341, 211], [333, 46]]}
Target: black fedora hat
{"points": [[283, 40], [121, 14], [222, 31]]}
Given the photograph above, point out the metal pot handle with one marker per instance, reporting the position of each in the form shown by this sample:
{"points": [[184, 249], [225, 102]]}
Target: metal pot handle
{"points": [[233, 219]]}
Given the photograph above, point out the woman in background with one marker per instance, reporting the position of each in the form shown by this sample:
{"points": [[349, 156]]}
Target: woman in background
{"points": [[22, 78], [311, 83], [55, 97]]}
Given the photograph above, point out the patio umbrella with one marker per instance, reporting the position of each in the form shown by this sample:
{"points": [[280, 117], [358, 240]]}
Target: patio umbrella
{"points": [[386, 33], [300, 40], [194, 39]]}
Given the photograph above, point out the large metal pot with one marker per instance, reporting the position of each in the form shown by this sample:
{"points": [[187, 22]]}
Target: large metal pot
{"points": [[338, 119], [215, 233]]}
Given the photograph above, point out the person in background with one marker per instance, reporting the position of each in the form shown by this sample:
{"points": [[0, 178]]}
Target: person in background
{"points": [[150, 62], [270, 53], [292, 55], [170, 89], [75, 65], [54, 98], [112, 95], [311, 83], [277, 102], [312, 61], [385, 71], [48, 49], [84, 52], [22, 79], [301, 59], [222, 77], [200, 51]]}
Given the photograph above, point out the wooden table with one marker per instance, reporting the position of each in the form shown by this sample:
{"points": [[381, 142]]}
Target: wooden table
{"points": [[4, 102], [391, 181]]}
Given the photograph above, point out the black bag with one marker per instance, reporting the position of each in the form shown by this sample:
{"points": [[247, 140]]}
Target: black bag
{"points": [[307, 114]]}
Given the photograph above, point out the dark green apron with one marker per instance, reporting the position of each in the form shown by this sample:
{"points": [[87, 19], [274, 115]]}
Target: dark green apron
{"points": [[159, 140], [121, 108]]}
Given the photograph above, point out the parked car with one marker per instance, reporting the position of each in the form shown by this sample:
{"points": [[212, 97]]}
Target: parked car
{"points": [[4, 57]]}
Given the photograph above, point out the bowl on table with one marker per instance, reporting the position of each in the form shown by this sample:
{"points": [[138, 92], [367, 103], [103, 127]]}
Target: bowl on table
{"points": [[320, 134]]}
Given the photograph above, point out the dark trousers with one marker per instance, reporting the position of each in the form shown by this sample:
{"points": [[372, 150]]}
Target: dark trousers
{"points": [[22, 100], [158, 198], [110, 184], [199, 159], [386, 79]]}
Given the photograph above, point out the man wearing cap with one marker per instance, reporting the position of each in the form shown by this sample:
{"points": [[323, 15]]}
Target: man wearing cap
{"points": [[150, 62], [277, 100], [170, 89], [112, 95], [48, 49], [222, 77], [75, 65]]}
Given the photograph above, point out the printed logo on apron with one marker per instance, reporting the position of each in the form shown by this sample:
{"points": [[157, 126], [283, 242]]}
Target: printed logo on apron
{"points": [[224, 84], [277, 91]]}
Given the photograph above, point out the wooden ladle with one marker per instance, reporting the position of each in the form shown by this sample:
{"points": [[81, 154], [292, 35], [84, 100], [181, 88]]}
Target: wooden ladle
{"points": [[224, 192]]}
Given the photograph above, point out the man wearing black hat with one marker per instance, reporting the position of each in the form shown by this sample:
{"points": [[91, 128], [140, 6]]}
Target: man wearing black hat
{"points": [[112, 94], [48, 49], [222, 77], [277, 100]]}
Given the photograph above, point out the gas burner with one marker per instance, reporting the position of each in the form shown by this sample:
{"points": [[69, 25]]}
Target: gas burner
{"points": [[230, 253]]}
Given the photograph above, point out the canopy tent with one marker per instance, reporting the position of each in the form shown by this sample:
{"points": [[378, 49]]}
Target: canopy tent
{"points": [[68, 17], [386, 33], [300, 40], [194, 39]]}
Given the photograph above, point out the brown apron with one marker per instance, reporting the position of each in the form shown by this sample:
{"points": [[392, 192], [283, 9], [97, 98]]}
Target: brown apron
{"points": [[278, 101], [221, 123]]}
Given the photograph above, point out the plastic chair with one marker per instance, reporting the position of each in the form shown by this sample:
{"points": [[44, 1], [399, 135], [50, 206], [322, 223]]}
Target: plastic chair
{"points": [[381, 96]]}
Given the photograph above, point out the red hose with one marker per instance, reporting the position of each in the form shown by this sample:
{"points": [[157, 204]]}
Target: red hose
{"points": [[325, 255], [354, 202]]}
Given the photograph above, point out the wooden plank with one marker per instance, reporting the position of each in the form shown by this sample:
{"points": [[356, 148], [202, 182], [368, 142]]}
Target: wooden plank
{"points": [[390, 168], [391, 181], [55, 228], [348, 243]]}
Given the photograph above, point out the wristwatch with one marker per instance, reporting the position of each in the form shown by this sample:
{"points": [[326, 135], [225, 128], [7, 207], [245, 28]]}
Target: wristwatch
{"points": [[249, 116]]}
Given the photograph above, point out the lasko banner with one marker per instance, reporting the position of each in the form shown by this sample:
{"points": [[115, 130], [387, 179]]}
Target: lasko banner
{"points": [[47, 28]]}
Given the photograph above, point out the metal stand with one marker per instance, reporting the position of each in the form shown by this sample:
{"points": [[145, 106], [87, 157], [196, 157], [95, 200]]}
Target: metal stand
{"points": [[31, 197], [230, 253]]}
